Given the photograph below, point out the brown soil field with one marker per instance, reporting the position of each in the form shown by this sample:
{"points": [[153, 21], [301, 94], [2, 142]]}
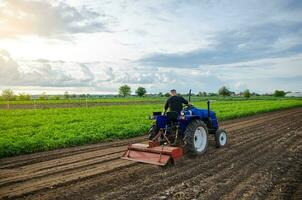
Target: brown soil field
{"points": [[263, 160]]}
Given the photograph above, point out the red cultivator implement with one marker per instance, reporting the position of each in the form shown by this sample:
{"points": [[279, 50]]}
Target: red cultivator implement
{"points": [[153, 153]]}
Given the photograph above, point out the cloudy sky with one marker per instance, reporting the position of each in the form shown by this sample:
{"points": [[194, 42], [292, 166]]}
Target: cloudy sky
{"points": [[94, 46]]}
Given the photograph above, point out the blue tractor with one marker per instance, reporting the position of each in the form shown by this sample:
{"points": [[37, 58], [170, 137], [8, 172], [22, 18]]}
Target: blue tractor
{"points": [[172, 135]]}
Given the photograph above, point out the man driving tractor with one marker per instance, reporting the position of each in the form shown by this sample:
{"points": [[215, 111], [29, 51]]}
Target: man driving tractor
{"points": [[171, 135], [175, 102]]}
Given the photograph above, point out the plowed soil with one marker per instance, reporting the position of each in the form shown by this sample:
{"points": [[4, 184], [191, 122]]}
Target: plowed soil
{"points": [[263, 160]]}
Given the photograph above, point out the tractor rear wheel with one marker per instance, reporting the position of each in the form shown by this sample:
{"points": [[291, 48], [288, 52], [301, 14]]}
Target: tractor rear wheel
{"points": [[153, 132], [196, 138], [221, 138]]}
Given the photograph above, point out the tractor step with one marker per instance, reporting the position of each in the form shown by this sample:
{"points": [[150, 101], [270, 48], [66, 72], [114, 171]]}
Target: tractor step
{"points": [[158, 155]]}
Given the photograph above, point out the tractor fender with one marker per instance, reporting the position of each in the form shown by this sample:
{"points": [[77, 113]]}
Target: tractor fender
{"points": [[193, 117], [189, 118]]}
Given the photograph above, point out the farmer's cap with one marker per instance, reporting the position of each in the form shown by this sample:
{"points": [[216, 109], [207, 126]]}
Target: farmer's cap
{"points": [[173, 90]]}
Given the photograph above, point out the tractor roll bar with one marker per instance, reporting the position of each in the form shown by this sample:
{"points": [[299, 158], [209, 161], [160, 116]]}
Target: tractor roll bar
{"points": [[208, 103]]}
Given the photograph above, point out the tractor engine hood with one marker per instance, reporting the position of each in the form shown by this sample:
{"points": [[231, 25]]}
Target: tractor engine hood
{"points": [[203, 113]]}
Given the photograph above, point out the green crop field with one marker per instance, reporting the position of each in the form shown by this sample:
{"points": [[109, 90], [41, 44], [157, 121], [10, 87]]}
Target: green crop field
{"points": [[26, 131], [133, 99]]}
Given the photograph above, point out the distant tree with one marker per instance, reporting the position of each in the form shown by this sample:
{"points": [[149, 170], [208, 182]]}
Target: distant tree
{"points": [[8, 95], [212, 94], [140, 91], [167, 94], [224, 91], [24, 97], [246, 93], [82, 96], [202, 94], [66, 95], [73, 96], [255, 94], [57, 97], [43, 96], [160, 94], [124, 90], [279, 93]]}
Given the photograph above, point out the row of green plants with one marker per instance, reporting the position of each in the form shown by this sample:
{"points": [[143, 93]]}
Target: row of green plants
{"points": [[27, 131], [134, 99]]}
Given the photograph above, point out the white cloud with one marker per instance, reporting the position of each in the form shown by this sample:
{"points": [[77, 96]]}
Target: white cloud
{"points": [[260, 68], [8, 68], [66, 45], [262, 75], [44, 18], [43, 73]]}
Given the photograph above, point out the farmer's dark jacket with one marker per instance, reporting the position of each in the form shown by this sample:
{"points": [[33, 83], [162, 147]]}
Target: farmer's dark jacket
{"points": [[175, 103]]}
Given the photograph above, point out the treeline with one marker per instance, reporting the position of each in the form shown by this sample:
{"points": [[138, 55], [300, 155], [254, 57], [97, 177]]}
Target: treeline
{"points": [[125, 90], [9, 95]]}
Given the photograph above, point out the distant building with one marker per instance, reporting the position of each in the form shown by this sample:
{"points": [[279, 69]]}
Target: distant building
{"points": [[294, 94]]}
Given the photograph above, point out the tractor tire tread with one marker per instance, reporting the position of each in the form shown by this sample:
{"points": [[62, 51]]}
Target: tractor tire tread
{"points": [[189, 137]]}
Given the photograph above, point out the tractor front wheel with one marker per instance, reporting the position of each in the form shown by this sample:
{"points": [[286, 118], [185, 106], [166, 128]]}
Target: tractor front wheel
{"points": [[196, 138], [221, 138]]}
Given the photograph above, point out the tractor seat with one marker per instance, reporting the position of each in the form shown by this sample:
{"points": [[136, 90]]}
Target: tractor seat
{"points": [[172, 116]]}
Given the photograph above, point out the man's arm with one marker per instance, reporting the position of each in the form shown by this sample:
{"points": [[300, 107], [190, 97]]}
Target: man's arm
{"points": [[184, 101], [167, 104]]}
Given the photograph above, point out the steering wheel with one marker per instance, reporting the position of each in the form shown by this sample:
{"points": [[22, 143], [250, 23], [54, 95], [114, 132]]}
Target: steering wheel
{"points": [[188, 106]]}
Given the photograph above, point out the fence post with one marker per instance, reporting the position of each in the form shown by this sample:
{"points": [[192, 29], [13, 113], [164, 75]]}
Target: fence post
{"points": [[8, 104], [35, 106], [86, 103]]}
